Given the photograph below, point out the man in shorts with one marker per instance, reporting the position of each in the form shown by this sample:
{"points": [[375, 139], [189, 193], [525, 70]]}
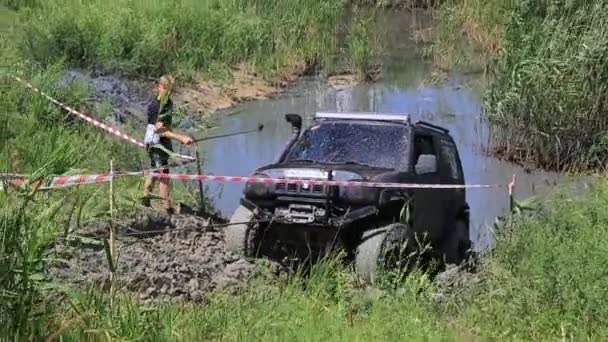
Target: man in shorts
{"points": [[159, 134]]}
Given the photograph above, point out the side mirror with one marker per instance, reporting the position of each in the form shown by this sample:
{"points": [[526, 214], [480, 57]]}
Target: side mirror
{"points": [[295, 120], [427, 163]]}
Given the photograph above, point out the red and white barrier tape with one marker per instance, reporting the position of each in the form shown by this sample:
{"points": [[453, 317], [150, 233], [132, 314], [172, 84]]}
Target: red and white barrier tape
{"points": [[20, 180], [62, 181], [264, 180], [90, 120]]}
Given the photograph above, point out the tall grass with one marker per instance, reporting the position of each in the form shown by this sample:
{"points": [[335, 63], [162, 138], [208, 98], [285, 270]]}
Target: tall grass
{"points": [[550, 94], [545, 279], [548, 97], [148, 37], [470, 32]]}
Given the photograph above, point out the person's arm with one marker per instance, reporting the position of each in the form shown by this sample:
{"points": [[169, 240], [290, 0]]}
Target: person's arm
{"points": [[167, 133]]}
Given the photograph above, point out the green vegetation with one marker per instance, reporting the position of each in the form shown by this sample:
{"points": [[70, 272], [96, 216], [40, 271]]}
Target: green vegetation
{"points": [[184, 37], [544, 280], [548, 98], [40, 40]]}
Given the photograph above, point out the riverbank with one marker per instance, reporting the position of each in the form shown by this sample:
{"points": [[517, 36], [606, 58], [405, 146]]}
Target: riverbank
{"points": [[548, 98], [222, 53]]}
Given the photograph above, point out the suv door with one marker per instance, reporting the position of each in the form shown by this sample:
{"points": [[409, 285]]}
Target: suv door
{"points": [[428, 204], [451, 173]]}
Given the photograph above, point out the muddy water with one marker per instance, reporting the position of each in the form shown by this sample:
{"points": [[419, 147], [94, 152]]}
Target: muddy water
{"points": [[451, 103]]}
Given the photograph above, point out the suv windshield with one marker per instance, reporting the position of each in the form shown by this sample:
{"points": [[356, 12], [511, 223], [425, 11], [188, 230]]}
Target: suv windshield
{"points": [[376, 144]]}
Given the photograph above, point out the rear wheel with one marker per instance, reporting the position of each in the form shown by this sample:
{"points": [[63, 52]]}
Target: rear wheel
{"points": [[383, 249], [458, 245], [239, 235]]}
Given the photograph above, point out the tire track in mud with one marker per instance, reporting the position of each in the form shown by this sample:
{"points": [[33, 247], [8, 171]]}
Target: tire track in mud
{"points": [[186, 264]]}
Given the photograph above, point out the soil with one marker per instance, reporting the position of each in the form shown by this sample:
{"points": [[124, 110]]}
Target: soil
{"points": [[342, 82], [203, 97], [186, 262], [126, 99]]}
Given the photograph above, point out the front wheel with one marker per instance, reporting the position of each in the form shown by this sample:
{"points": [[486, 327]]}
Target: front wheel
{"points": [[239, 234], [383, 249]]}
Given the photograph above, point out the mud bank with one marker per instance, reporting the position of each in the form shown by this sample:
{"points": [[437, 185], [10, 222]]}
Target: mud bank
{"points": [[120, 100], [186, 262]]}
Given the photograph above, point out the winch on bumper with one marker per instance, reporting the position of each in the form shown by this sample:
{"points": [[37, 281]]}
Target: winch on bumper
{"points": [[301, 213]]}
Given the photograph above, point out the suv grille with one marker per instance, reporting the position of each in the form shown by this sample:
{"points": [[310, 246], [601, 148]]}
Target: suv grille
{"points": [[299, 188]]}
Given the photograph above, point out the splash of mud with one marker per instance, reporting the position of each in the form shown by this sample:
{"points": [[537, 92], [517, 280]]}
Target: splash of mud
{"points": [[186, 263]]}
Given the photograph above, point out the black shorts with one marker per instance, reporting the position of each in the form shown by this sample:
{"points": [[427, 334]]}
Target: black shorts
{"points": [[158, 159]]}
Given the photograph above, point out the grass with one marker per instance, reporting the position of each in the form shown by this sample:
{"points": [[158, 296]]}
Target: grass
{"points": [[184, 37], [469, 33], [543, 281], [548, 59]]}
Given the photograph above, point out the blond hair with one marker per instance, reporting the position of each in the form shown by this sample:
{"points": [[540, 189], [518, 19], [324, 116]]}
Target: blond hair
{"points": [[167, 80]]}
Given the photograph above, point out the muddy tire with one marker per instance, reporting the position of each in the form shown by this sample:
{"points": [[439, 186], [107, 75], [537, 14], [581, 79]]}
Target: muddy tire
{"points": [[380, 249], [458, 244], [237, 236]]}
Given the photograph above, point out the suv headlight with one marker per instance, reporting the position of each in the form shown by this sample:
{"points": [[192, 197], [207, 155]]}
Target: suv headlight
{"points": [[258, 190]]}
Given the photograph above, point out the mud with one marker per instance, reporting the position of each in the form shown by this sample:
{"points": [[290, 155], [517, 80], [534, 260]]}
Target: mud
{"points": [[205, 97], [186, 263], [342, 82], [126, 99]]}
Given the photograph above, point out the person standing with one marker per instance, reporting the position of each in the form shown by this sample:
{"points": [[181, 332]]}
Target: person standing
{"points": [[158, 140]]}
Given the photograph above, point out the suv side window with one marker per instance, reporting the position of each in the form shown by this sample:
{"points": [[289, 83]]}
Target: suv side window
{"points": [[450, 159], [424, 144]]}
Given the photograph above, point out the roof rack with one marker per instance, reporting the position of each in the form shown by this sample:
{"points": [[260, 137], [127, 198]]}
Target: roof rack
{"points": [[399, 117], [430, 125]]}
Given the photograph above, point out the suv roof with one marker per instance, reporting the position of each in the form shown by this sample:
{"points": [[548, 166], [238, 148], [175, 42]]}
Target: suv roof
{"points": [[393, 117], [402, 118]]}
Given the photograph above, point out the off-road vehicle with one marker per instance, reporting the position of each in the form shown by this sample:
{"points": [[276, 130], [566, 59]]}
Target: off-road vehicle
{"points": [[296, 218]]}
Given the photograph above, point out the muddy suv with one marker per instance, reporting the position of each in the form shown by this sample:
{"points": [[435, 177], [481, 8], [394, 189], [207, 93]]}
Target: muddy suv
{"points": [[297, 219]]}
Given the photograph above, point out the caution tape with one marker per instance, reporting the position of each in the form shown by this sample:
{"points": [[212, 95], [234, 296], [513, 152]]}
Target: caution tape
{"points": [[63, 181], [90, 120], [312, 182], [20, 180]]}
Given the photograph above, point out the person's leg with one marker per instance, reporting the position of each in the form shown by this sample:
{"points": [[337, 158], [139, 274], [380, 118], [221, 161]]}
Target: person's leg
{"points": [[148, 188], [150, 182], [165, 193], [165, 186]]}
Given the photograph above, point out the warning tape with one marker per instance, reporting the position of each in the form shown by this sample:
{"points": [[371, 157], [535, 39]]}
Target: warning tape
{"points": [[20, 180], [265, 180], [63, 181], [90, 120]]}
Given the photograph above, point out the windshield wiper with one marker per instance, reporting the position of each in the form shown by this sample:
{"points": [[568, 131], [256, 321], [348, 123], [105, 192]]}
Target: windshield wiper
{"points": [[350, 162], [302, 161], [360, 164]]}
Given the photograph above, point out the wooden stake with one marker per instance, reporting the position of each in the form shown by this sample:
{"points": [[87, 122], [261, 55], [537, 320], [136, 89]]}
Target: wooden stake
{"points": [[511, 197], [200, 184], [112, 234]]}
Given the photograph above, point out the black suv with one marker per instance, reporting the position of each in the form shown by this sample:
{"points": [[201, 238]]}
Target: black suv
{"points": [[296, 218]]}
